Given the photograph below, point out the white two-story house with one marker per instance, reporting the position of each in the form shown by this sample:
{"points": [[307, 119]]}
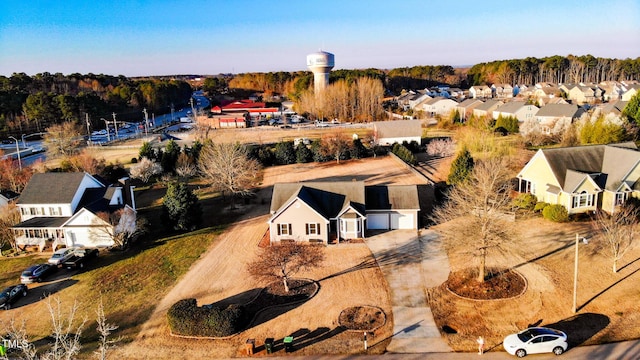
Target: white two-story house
{"points": [[72, 209]]}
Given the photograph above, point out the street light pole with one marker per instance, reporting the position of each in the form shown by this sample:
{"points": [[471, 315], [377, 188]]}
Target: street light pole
{"points": [[17, 152], [115, 125], [575, 274], [106, 124]]}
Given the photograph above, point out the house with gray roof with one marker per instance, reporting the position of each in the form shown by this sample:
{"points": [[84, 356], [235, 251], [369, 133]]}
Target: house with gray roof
{"points": [[328, 212], [583, 178], [486, 109], [557, 116], [68, 209], [386, 133], [517, 109]]}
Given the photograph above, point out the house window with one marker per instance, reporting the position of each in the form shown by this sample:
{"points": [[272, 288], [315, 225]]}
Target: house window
{"points": [[620, 198], [582, 200], [313, 229], [32, 211], [55, 211], [284, 229], [24, 211], [527, 186]]}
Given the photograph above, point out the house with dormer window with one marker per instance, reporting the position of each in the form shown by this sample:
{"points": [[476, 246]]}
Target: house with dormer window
{"points": [[72, 209], [583, 178]]}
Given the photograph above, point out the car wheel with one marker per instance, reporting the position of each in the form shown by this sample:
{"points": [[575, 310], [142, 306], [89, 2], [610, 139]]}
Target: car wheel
{"points": [[81, 266], [7, 306], [521, 353], [24, 293], [558, 350]]}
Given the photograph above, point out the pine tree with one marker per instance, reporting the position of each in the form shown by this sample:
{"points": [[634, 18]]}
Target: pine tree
{"points": [[460, 168], [181, 210]]}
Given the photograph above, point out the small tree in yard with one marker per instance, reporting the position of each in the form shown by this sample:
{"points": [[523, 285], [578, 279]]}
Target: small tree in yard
{"points": [[281, 262], [105, 330], [460, 168], [181, 210], [9, 216], [618, 230], [145, 169], [335, 144], [476, 212], [121, 225]]}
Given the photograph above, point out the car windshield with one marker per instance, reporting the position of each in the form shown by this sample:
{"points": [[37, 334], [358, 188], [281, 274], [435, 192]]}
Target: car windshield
{"points": [[27, 273], [525, 335]]}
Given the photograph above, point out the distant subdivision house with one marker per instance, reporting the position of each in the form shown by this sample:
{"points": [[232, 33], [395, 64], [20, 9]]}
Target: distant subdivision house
{"points": [[72, 209], [326, 212], [386, 133]]}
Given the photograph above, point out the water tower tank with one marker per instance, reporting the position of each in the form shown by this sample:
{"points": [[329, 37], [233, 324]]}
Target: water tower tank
{"points": [[320, 63]]}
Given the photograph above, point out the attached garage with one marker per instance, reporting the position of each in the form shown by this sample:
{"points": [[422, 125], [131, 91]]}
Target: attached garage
{"points": [[378, 221], [402, 221]]}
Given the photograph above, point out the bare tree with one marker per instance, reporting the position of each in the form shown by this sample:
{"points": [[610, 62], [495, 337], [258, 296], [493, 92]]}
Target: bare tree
{"points": [[476, 212], [185, 166], [618, 230], [62, 139], [66, 333], [145, 169], [335, 144], [281, 262], [228, 167], [9, 216], [105, 330], [18, 338], [119, 225]]}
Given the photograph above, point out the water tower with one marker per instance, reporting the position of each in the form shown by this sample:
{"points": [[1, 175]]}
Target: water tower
{"points": [[320, 63]]}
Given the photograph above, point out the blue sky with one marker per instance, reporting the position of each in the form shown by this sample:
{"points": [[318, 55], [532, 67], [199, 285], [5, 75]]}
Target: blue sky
{"points": [[136, 38]]}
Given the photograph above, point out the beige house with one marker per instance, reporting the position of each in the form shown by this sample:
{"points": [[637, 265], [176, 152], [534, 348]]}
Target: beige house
{"points": [[439, 106], [480, 91], [557, 116], [465, 108], [583, 178], [486, 109], [328, 212], [631, 91]]}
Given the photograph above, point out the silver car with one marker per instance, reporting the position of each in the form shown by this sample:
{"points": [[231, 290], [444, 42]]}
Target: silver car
{"points": [[536, 340], [61, 256]]}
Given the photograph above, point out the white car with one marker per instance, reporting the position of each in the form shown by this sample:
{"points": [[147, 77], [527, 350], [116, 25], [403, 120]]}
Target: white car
{"points": [[536, 340], [61, 256]]}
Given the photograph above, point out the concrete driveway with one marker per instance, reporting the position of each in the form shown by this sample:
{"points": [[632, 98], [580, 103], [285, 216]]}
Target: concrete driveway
{"points": [[411, 263]]}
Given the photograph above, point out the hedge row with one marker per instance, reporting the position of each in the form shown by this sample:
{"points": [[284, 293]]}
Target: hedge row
{"points": [[186, 318], [404, 153]]}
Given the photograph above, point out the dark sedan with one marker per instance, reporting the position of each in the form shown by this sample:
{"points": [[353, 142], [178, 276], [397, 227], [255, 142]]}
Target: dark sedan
{"points": [[11, 294], [37, 273]]}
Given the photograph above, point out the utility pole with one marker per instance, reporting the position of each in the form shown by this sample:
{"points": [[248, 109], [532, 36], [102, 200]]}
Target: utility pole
{"points": [[193, 110], [146, 122], [172, 108], [88, 130], [115, 124]]}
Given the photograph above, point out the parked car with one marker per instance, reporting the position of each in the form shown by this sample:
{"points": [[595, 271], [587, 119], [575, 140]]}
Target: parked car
{"points": [[80, 258], [536, 340], [11, 294], [37, 273], [61, 256]]}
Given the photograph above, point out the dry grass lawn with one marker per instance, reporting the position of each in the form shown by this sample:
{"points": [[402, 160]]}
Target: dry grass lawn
{"points": [[608, 304]]}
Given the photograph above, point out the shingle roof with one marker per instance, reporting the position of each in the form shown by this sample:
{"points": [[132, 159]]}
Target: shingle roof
{"points": [[488, 105], [328, 198], [611, 163], [558, 110], [392, 197], [398, 128], [51, 188]]}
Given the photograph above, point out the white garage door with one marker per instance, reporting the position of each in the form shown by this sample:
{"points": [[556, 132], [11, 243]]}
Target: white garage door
{"points": [[378, 221], [401, 221]]}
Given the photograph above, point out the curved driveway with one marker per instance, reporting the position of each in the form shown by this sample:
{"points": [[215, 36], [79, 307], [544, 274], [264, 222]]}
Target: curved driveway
{"points": [[411, 263]]}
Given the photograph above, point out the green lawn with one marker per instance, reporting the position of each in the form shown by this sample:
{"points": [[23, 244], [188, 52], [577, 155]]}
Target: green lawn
{"points": [[129, 283]]}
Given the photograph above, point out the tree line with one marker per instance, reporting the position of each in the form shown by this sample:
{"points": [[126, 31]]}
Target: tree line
{"points": [[554, 69], [30, 104]]}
